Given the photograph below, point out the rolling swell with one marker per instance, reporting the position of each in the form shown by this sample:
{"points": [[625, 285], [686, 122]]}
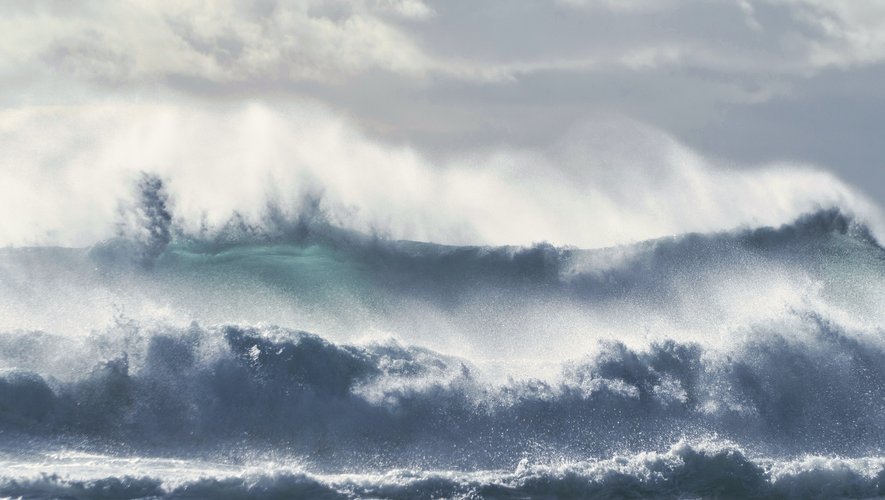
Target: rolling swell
{"points": [[827, 246], [485, 302], [431, 268], [322, 267]]}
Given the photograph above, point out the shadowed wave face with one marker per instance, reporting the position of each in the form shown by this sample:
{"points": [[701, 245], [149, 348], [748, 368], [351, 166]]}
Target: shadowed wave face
{"points": [[742, 363]]}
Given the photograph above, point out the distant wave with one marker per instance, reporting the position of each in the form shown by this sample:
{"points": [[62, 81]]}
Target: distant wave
{"points": [[591, 271], [310, 250], [321, 278]]}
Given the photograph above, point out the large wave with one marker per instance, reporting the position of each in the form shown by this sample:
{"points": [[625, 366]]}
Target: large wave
{"points": [[738, 363]]}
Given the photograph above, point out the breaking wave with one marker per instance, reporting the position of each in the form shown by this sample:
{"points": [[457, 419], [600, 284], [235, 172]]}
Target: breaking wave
{"points": [[385, 403], [681, 471]]}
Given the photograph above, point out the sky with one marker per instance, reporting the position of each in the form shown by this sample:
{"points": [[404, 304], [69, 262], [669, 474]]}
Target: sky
{"points": [[588, 88]]}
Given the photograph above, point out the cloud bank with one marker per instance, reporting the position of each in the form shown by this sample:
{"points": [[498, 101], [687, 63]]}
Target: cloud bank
{"points": [[270, 41]]}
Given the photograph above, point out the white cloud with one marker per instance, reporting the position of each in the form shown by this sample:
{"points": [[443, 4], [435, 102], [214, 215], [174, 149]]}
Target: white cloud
{"points": [[225, 41], [855, 32], [219, 41]]}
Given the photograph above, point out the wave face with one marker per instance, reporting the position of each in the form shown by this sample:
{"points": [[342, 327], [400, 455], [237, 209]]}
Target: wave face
{"points": [[734, 364]]}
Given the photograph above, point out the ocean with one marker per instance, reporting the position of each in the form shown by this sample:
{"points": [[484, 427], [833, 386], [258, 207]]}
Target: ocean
{"points": [[309, 360]]}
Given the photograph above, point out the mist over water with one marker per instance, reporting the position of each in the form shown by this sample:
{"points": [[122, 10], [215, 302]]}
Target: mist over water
{"points": [[68, 168]]}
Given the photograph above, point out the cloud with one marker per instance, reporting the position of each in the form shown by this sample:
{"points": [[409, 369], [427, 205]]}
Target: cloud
{"points": [[137, 42], [753, 81], [229, 42], [854, 32]]}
